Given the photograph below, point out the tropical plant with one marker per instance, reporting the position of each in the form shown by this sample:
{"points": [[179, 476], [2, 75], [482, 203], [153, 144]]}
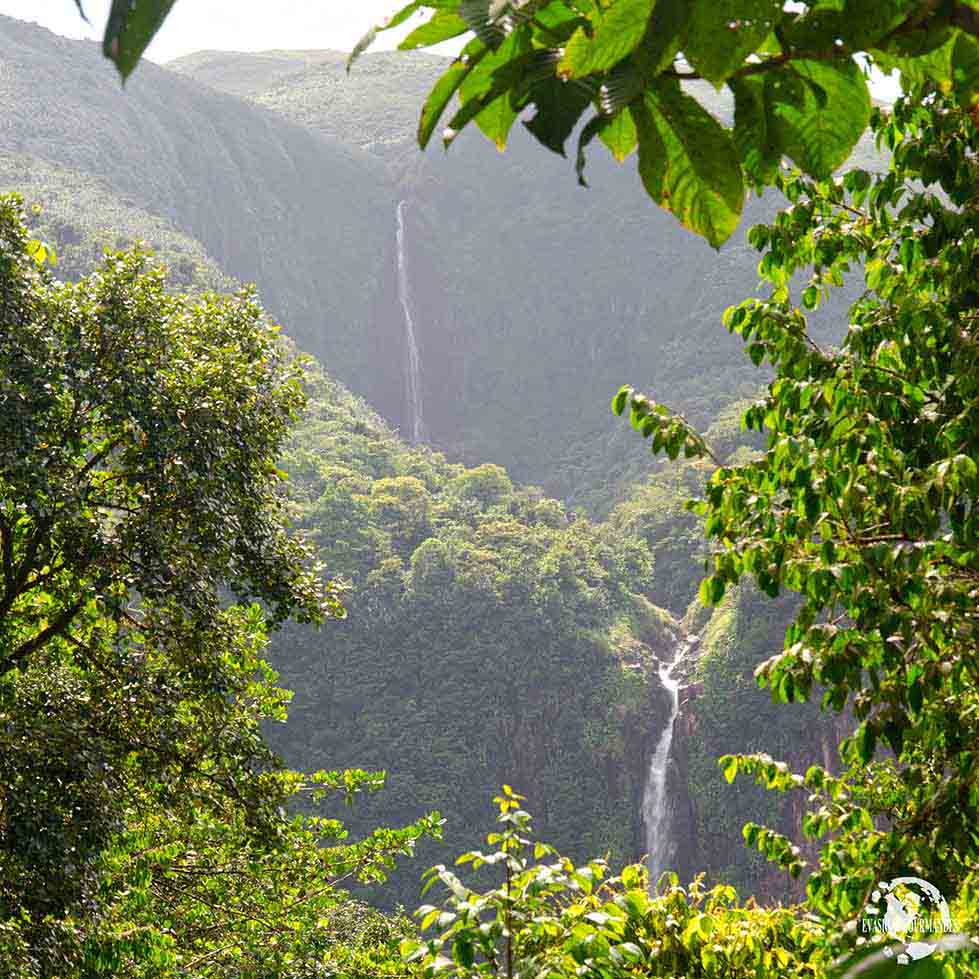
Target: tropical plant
{"points": [[865, 505], [143, 557], [798, 88], [557, 919]]}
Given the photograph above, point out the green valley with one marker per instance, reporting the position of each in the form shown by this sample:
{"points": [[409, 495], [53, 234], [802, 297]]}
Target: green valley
{"points": [[322, 546]]}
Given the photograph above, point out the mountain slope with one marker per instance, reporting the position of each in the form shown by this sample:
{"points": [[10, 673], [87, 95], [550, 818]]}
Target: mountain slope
{"points": [[535, 300], [308, 219], [314, 89], [490, 638], [81, 217]]}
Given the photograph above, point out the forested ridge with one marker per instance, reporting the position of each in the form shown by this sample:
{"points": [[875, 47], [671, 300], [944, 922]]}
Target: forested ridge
{"points": [[272, 645]]}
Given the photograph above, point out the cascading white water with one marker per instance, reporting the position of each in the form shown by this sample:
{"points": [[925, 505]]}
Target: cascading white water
{"points": [[655, 804], [413, 365]]}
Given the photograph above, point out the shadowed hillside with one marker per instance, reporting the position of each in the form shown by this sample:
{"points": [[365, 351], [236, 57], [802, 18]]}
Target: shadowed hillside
{"points": [[308, 219], [533, 299], [536, 299]]}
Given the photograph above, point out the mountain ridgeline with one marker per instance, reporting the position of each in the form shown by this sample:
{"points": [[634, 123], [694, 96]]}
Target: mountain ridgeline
{"points": [[615, 290], [473, 315]]}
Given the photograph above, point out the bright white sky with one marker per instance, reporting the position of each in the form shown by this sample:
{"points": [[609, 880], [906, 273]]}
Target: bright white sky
{"points": [[233, 25], [256, 25]]}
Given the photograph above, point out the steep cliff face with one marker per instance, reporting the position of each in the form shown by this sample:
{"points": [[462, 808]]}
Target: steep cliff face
{"points": [[306, 217], [724, 712]]}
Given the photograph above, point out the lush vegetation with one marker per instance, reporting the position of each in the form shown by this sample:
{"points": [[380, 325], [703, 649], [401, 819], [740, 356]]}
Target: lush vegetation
{"points": [[797, 88], [490, 633], [144, 555], [318, 240], [561, 919], [864, 503], [150, 541]]}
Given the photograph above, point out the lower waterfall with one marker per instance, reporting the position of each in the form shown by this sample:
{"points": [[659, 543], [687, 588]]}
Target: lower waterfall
{"points": [[655, 803]]}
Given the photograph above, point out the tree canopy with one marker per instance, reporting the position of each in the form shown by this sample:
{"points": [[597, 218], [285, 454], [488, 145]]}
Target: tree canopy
{"points": [[137, 440], [144, 556]]}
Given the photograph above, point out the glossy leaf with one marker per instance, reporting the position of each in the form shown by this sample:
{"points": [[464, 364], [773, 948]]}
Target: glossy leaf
{"points": [[446, 87], [619, 135], [443, 26], [131, 27], [617, 33], [721, 34], [817, 112], [688, 163]]}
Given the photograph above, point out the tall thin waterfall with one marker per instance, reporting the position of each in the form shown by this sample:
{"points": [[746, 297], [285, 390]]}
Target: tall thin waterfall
{"points": [[655, 804], [413, 361]]}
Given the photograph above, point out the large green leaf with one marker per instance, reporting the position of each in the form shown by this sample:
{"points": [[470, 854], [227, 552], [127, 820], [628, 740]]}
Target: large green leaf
{"points": [[619, 135], [817, 111], [616, 35], [860, 24], [752, 136], [131, 26], [497, 119], [558, 108], [722, 33], [664, 36], [443, 26], [688, 162], [489, 92], [492, 97], [446, 87]]}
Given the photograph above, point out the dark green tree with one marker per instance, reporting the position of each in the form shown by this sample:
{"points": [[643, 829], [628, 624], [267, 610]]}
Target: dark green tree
{"points": [[143, 556]]}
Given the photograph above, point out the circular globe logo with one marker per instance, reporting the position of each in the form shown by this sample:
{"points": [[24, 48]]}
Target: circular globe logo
{"points": [[911, 911]]}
